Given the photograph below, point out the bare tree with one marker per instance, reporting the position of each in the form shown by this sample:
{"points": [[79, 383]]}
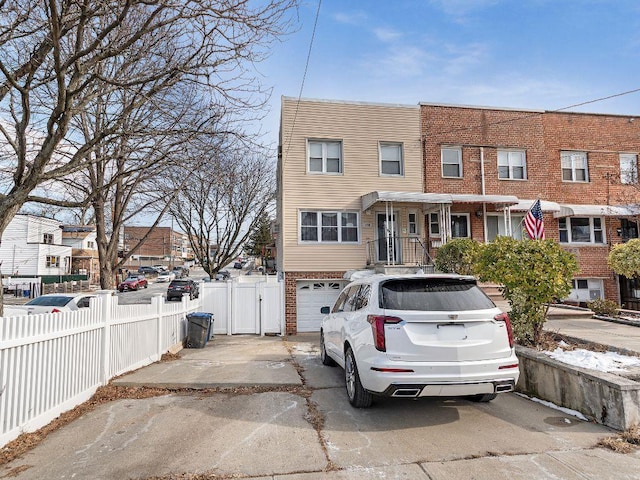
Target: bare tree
{"points": [[60, 59], [220, 207]]}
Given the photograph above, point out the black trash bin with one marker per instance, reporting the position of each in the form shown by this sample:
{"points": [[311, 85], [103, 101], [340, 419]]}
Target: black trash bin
{"points": [[199, 327]]}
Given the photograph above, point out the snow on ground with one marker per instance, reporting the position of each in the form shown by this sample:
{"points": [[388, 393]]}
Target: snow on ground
{"points": [[600, 361], [568, 411]]}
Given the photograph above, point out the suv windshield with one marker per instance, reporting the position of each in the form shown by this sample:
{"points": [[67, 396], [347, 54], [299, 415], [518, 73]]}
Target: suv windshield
{"points": [[433, 294]]}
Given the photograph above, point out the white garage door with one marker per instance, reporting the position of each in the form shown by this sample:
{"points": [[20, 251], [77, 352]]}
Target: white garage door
{"points": [[311, 296]]}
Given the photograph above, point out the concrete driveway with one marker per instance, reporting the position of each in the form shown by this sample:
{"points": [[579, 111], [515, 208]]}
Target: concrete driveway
{"points": [[265, 407]]}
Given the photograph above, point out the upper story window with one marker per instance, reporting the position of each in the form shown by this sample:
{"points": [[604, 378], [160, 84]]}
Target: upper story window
{"points": [[451, 162], [331, 227], [48, 238], [391, 159], [574, 166], [581, 230], [512, 165], [460, 226], [325, 157], [628, 168]]}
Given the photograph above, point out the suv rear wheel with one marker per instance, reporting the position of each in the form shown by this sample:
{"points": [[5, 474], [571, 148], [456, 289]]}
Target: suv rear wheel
{"points": [[358, 396]]}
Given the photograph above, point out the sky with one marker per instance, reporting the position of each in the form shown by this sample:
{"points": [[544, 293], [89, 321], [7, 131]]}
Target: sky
{"points": [[529, 54]]}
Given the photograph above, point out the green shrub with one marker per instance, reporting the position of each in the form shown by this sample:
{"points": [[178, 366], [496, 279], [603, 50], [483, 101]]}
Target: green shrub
{"points": [[603, 307], [457, 256]]}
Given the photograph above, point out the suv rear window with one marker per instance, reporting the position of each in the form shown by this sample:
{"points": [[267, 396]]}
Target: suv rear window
{"points": [[180, 282], [438, 294]]}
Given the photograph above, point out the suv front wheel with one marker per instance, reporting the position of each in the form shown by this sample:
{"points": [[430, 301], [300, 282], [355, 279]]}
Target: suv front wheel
{"points": [[358, 396]]}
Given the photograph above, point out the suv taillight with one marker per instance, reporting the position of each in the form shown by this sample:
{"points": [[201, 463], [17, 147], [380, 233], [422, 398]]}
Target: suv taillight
{"points": [[377, 326], [503, 317]]}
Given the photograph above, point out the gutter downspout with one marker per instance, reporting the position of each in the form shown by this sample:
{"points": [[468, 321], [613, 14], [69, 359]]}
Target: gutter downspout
{"points": [[484, 205]]}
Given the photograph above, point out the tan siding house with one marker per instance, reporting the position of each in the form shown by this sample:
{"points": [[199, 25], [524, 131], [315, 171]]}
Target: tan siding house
{"points": [[332, 154]]}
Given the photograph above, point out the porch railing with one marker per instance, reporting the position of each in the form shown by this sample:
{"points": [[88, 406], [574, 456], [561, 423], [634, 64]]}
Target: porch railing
{"points": [[398, 251]]}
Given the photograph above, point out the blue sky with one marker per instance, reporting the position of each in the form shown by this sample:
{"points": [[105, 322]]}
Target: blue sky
{"points": [[530, 54]]}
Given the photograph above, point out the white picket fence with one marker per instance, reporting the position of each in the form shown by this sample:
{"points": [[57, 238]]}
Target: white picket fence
{"points": [[51, 363]]}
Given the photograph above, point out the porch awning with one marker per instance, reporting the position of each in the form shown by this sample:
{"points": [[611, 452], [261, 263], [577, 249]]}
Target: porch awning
{"points": [[434, 198], [596, 211], [525, 206], [406, 197]]}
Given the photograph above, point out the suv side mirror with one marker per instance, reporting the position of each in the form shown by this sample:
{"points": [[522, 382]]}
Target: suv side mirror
{"points": [[325, 310]]}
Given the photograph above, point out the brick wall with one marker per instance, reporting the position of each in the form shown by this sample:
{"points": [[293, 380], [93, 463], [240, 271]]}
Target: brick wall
{"points": [[290, 281], [543, 135]]}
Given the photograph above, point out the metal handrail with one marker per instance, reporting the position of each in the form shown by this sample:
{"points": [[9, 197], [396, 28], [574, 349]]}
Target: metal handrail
{"points": [[398, 251]]}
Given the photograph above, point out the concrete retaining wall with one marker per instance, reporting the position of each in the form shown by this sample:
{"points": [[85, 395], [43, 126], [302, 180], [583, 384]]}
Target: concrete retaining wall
{"points": [[604, 397]]}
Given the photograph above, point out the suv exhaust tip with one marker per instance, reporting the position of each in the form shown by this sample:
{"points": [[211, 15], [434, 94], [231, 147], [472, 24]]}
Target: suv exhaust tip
{"points": [[504, 387], [406, 392]]}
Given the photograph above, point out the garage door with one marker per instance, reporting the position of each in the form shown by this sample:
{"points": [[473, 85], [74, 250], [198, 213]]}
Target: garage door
{"points": [[311, 296]]}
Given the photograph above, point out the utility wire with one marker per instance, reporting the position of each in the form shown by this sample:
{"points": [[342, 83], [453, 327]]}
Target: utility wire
{"points": [[304, 77]]}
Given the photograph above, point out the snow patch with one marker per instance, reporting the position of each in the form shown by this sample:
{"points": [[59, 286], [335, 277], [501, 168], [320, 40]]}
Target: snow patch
{"points": [[568, 411], [599, 361]]}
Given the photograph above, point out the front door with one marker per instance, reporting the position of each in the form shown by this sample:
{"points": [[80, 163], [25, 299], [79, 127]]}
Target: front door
{"points": [[388, 239]]}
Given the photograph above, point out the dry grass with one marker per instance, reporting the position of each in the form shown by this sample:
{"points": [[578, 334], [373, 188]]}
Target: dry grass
{"points": [[626, 442]]}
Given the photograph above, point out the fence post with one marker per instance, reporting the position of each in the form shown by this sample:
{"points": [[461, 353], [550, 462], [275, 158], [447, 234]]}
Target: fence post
{"points": [[106, 297], [157, 301]]}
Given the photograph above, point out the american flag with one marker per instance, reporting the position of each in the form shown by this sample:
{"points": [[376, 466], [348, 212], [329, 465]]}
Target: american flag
{"points": [[533, 222]]}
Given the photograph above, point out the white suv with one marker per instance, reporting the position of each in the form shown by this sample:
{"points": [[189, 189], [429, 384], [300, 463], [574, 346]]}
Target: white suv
{"points": [[419, 336]]}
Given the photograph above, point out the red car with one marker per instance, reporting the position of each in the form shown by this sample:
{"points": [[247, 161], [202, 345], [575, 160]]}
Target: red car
{"points": [[133, 283]]}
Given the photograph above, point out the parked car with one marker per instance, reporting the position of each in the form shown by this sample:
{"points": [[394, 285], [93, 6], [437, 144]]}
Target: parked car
{"points": [[165, 277], [419, 335], [160, 268], [178, 272], [56, 302], [134, 282], [238, 265], [223, 275], [179, 287], [145, 270]]}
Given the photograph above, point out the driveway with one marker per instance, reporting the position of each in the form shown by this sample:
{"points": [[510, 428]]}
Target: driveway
{"points": [[265, 407]]}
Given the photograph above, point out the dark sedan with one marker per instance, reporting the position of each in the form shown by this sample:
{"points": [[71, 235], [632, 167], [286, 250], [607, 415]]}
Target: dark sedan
{"points": [[177, 288]]}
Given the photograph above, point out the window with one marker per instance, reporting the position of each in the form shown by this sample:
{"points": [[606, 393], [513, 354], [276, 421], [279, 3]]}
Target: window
{"points": [[495, 227], [574, 167], [581, 230], [460, 226], [329, 227], [52, 261], [452, 162], [325, 157], [628, 168], [512, 165], [91, 244], [412, 224], [434, 225], [391, 159], [48, 238]]}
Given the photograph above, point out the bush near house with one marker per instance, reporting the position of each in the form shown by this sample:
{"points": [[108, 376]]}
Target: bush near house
{"points": [[624, 258], [457, 256], [603, 307], [532, 273]]}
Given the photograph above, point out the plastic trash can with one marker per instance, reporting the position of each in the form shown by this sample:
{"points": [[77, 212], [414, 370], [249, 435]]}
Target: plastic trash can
{"points": [[198, 329]]}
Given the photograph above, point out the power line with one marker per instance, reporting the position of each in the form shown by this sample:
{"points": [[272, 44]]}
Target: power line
{"points": [[536, 114], [304, 77]]}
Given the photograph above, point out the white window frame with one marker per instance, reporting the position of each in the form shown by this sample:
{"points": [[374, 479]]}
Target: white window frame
{"points": [[592, 230], [339, 226], [510, 159], [468, 217], [517, 225], [48, 238], [324, 144], [415, 223], [572, 156], [52, 261], [433, 234], [629, 172], [458, 150], [399, 161]]}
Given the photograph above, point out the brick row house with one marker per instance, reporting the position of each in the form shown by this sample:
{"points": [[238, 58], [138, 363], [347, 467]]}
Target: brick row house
{"points": [[374, 186]]}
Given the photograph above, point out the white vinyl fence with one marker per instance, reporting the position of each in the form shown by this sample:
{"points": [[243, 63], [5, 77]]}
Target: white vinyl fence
{"points": [[50, 363]]}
